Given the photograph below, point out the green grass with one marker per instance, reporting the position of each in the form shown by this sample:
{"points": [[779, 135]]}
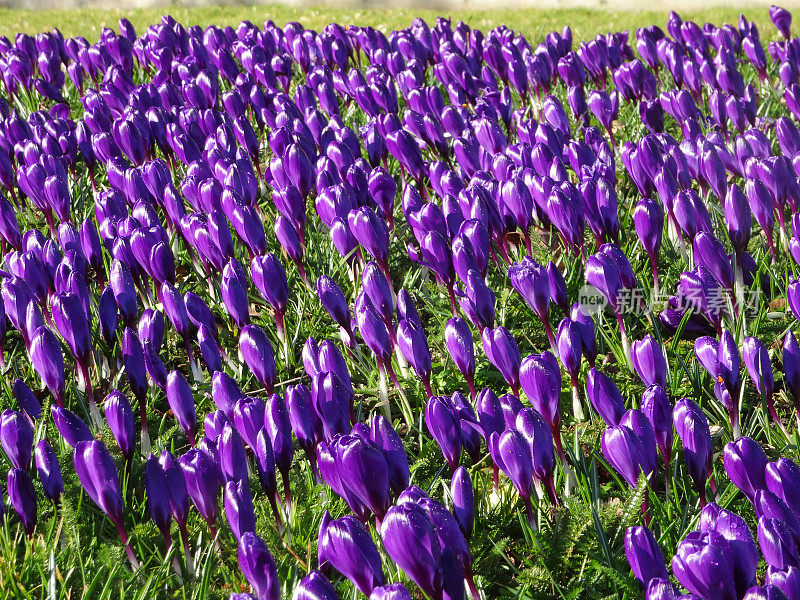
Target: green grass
{"points": [[533, 23]]}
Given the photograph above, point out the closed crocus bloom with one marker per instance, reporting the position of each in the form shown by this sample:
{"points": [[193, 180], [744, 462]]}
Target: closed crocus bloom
{"points": [[48, 360], [537, 434], [787, 580], [512, 455], [791, 366], [395, 591], [410, 540], [649, 362], [315, 586], [743, 547], [70, 426], [98, 476], [257, 353], [442, 423], [304, 420], [656, 407], [605, 396], [258, 567], [363, 472], [73, 325], [414, 345], [391, 446], [761, 206], [158, 497], [371, 232], [463, 501], [22, 497], [502, 351], [532, 282], [777, 543], [648, 220], [764, 592], [232, 458], [737, 219], [49, 470], [541, 381], [16, 439], [276, 421], [107, 315], [331, 401], [782, 19], [660, 589], [458, 338], [120, 420], [644, 555], [332, 298], [745, 463], [756, 359], [346, 545], [234, 297], [692, 427], [202, 483], [709, 252], [783, 480], [703, 565], [181, 401], [239, 508], [623, 448], [26, 399]]}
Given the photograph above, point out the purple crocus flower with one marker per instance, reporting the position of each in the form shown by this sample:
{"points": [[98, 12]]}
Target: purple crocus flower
{"points": [[346, 545], [98, 476]]}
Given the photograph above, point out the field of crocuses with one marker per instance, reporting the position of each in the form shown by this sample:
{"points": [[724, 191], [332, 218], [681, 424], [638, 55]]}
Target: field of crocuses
{"points": [[437, 313]]}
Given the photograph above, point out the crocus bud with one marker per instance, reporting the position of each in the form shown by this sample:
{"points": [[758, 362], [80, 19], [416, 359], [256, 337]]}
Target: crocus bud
{"points": [[783, 480], [787, 580], [231, 453], [745, 463], [458, 338], [512, 455], [346, 545], [442, 424], [736, 531], [181, 401], [692, 427], [463, 501], [777, 543], [258, 567], [649, 362], [158, 496], [16, 439], [533, 283], [239, 508], [26, 399], [98, 476], [332, 298], [756, 359], [70, 426], [120, 420], [395, 591], [47, 359], [410, 540], [49, 470], [414, 345], [22, 497], [315, 586], [656, 407], [605, 396], [782, 19], [391, 446], [644, 555], [202, 483], [502, 351], [258, 356], [703, 565]]}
